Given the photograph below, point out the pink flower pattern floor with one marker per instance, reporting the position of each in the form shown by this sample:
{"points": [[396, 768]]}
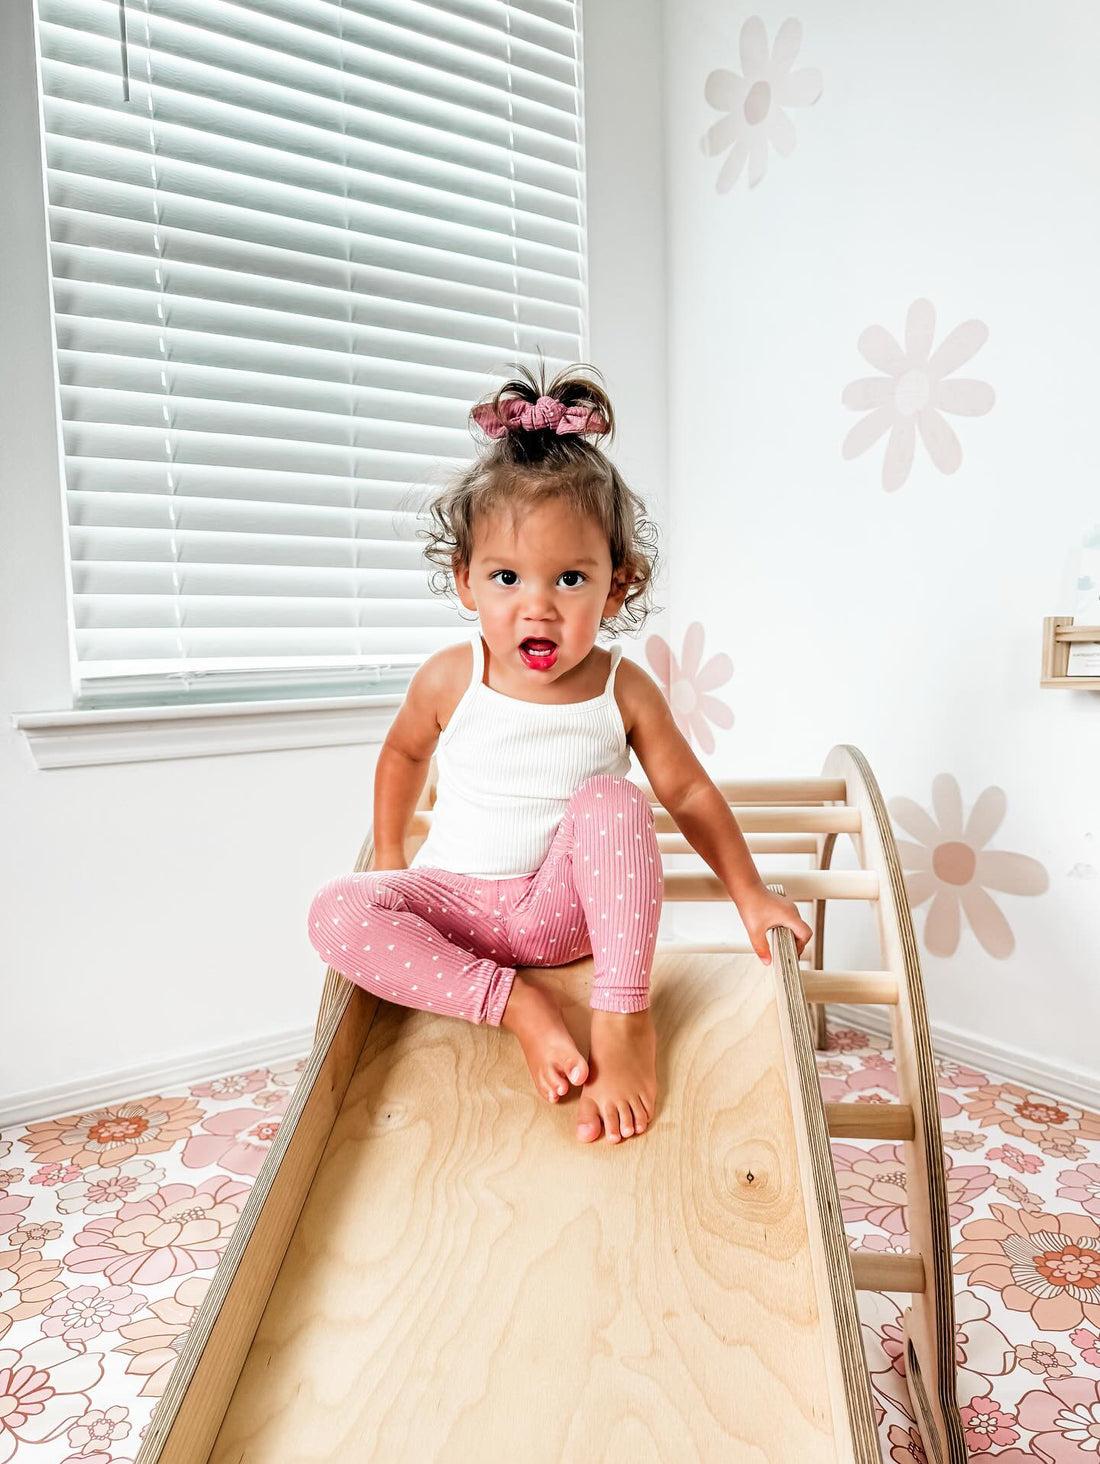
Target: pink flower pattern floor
{"points": [[112, 1222]]}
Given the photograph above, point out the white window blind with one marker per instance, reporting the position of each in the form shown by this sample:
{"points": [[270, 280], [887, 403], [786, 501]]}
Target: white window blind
{"points": [[291, 243]]}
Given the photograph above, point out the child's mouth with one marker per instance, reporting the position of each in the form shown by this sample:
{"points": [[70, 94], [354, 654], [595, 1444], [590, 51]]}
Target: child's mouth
{"points": [[539, 654]]}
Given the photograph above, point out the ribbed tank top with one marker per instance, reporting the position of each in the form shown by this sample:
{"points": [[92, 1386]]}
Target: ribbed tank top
{"points": [[507, 768]]}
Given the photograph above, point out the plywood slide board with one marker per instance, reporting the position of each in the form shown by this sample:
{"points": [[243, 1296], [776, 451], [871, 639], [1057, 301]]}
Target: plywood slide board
{"points": [[467, 1281]]}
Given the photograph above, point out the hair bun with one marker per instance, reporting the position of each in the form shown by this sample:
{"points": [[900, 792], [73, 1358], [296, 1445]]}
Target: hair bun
{"points": [[546, 413], [570, 405]]}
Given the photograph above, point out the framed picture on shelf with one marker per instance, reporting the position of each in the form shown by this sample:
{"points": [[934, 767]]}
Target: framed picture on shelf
{"points": [[1084, 656]]}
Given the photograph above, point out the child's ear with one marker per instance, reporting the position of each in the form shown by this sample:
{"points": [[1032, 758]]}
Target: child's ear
{"points": [[461, 574], [621, 580]]}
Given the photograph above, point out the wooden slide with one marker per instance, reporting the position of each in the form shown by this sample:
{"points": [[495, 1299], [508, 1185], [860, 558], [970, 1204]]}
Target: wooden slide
{"points": [[431, 1267]]}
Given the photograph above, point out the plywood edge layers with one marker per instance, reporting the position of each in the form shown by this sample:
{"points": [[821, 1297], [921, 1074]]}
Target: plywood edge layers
{"points": [[187, 1418], [929, 1324], [853, 1413]]}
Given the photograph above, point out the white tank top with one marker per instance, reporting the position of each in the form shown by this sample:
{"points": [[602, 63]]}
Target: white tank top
{"points": [[507, 768]]}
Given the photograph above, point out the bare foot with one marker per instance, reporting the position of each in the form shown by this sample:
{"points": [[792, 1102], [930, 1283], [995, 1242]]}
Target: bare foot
{"points": [[536, 1020], [621, 1092]]}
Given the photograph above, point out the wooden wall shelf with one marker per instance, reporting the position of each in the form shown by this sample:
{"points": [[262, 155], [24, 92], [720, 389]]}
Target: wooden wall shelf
{"points": [[1058, 632]]}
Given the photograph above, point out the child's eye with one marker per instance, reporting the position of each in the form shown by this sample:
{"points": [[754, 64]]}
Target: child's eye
{"points": [[512, 579], [573, 578]]}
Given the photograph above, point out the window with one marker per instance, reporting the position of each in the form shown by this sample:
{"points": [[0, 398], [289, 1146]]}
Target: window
{"points": [[291, 242]]}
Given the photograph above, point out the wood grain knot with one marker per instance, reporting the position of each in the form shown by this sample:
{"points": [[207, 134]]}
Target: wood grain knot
{"points": [[752, 1173], [389, 1116]]}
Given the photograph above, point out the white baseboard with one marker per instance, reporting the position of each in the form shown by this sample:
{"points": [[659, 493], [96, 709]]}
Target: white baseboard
{"points": [[1076, 1085], [1056, 1079], [154, 1077]]}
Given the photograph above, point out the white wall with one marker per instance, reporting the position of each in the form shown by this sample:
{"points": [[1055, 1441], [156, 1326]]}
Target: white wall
{"points": [[951, 156], [155, 912]]}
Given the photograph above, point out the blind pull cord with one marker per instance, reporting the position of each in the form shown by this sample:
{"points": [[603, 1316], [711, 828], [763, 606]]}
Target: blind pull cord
{"points": [[125, 50]]}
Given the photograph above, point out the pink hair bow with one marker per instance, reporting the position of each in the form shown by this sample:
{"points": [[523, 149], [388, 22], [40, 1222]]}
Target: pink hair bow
{"points": [[521, 416]]}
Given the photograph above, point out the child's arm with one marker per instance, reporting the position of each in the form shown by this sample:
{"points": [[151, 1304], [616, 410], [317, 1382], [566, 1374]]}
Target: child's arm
{"points": [[405, 756], [681, 783], [698, 809]]}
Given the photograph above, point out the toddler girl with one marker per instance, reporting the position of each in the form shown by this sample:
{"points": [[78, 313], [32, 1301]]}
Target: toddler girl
{"points": [[541, 850]]}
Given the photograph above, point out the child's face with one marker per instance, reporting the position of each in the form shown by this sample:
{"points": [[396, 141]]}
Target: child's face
{"points": [[540, 585]]}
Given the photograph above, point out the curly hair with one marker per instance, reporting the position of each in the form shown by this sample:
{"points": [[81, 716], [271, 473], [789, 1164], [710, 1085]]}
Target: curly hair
{"points": [[524, 467]]}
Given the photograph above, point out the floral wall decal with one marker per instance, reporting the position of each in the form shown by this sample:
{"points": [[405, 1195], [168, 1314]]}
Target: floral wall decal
{"points": [[951, 866], [913, 393], [687, 685], [753, 104]]}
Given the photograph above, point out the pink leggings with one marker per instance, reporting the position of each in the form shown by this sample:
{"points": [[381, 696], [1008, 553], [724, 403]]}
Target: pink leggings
{"points": [[429, 938]]}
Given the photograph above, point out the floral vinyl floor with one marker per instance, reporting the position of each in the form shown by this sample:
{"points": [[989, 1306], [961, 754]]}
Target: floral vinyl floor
{"points": [[112, 1222]]}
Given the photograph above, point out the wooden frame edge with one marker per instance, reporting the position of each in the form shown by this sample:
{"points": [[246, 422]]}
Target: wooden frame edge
{"points": [[929, 1322], [829, 1245]]}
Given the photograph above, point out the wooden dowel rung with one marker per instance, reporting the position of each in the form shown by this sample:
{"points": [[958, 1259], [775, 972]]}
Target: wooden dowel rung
{"points": [[782, 844], [774, 790], [869, 1120], [878, 1271], [855, 987], [758, 844], [795, 819], [872, 988], [1077, 632], [800, 884]]}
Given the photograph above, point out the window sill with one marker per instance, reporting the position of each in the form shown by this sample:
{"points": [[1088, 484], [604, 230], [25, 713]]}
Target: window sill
{"points": [[66, 739]]}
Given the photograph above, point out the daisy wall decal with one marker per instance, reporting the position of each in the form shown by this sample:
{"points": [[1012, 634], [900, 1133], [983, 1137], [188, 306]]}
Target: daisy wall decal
{"points": [[753, 104], [913, 393], [687, 685], [952, 866]]}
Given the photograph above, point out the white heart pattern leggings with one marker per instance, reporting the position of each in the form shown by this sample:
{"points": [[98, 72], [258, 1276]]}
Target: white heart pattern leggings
{"points": [[450, 943]]}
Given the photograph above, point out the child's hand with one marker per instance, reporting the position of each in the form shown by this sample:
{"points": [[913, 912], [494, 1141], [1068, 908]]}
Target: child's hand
{"points": [[761, 910]]}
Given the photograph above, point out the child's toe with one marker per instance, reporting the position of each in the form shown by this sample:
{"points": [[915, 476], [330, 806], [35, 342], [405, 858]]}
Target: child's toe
{"points": [[568, 1064], [556, 1073], [588, 1119]]}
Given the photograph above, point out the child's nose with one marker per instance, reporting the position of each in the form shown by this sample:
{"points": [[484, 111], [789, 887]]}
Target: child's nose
{"points": [[539, 605]]}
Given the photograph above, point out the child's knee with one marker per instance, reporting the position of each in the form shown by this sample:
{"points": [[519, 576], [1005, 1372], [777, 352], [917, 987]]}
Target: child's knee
{"points": [[617, 798], [345, 900]]}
